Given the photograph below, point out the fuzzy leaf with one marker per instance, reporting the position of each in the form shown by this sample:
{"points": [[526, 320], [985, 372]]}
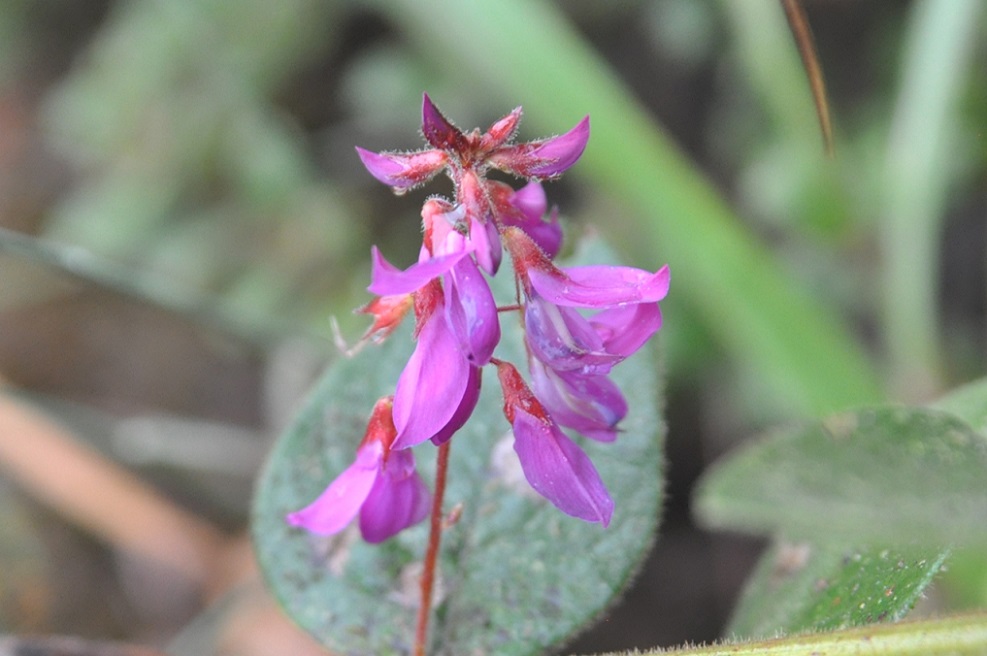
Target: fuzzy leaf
{"points": [[516, 575], [800, 587], [885, 475]]}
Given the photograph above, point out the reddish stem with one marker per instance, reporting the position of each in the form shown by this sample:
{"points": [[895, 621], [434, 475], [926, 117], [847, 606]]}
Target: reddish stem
{"points": [[432, 553]]}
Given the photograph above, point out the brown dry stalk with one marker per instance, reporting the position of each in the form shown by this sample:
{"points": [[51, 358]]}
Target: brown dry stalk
{"points": [[799, 25], [101, 497], [68, 646]]}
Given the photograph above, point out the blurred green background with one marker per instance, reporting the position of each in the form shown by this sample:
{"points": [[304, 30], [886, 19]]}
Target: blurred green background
{"points": [[183, 212]]}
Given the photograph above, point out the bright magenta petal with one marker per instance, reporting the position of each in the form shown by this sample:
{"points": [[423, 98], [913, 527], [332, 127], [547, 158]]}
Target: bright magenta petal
{"points": [[431, 386], [546, 158], [403, 171], [530, 203], [561, 338], [341, 501], [387, 280], [486, 244], [399, 499], [465, 409], [625, 329], [559, 470], [530, 200], [589, 404], [472, 312], [600, 286]]}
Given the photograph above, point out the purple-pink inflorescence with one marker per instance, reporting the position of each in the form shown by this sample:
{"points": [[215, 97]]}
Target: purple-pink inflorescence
{"points": [[578, 323]]}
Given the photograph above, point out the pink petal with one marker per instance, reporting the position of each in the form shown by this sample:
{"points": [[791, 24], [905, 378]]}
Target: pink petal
{"points": [[441, 222], [547, 234], [472, 312], [387, 280], [399, 499], [559, 470], [531, 203], [625, 329], [600, 286], [341, 501], [403, 171], [531, 200], [546, 158], [486, 244], [590, 404], [431, 386], [465, 409], [563, 339]]}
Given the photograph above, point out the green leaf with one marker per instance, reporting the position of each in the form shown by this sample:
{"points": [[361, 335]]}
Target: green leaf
{"points": [[883, 475], [823, 586], [516, 575]]}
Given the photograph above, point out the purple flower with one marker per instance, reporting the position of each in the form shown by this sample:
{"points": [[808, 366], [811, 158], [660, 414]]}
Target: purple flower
{"points": [[552, 463], [571, 354], [579, 323], [387, 280], [600, 286], [484, 236], [625, 329], [381, 486], [471, 312]]}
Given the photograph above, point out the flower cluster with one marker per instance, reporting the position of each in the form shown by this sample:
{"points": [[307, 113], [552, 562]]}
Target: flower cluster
{"points": [[579, 322]]}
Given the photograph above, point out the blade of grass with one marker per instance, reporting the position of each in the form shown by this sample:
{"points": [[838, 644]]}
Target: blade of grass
{"points": [[937, 58], [527, 52]]}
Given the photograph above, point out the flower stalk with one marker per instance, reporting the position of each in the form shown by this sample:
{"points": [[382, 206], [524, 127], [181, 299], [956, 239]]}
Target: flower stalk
{"points": [[432, 552]]}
